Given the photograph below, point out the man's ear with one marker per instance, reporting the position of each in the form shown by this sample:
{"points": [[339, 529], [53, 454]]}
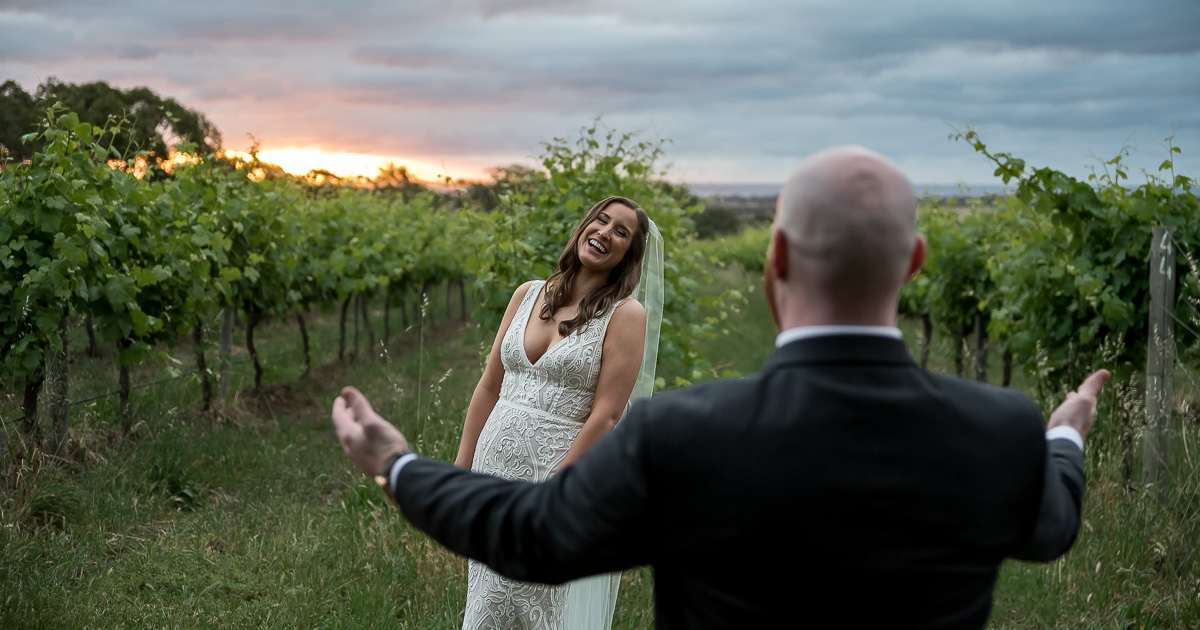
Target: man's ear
{"points": [[920, 250], [777, 255], [776, 267]]}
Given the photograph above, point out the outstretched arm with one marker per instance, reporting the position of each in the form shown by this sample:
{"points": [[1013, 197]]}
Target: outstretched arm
{"points": [[1061, 506], [1059, 513], [591, 518]]}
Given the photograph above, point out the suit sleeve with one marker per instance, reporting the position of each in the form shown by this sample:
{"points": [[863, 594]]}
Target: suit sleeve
{"points": [[586, 520], [1059, 513]]}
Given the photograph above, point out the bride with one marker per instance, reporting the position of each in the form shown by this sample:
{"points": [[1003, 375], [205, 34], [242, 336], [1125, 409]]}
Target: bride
{"points": [[557, 382]]}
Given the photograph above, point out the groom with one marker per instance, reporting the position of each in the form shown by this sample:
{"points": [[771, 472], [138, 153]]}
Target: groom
{"points": [[841, 486]]}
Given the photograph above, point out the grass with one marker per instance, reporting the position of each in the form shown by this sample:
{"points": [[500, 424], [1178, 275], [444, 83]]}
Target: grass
{"points": [[257, 520]]}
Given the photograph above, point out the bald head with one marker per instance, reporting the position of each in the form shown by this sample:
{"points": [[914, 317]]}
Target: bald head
{"points": [[848, 216]]}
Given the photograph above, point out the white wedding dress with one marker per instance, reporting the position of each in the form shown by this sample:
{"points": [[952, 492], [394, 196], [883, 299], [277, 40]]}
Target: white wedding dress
{"points": [[541, 409]]}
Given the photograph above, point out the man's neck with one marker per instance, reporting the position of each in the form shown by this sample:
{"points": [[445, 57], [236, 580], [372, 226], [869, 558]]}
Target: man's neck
{"points": [[812, 313], [796, 308], [805, 319]]}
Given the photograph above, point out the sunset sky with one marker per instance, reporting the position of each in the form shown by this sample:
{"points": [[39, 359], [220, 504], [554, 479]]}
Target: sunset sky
{"points": [[742, 89]]}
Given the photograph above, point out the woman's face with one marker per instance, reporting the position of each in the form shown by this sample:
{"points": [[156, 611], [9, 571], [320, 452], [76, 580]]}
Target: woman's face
{"points": [[607, 238]]}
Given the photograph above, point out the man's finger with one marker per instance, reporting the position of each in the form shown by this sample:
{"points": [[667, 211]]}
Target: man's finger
{"points": [[355, 399], [339, 414], [343, 421], [1094, 383]]}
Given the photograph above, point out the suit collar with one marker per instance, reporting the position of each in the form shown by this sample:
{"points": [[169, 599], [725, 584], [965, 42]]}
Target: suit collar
{"points": [[807, 332], [841, 349]]}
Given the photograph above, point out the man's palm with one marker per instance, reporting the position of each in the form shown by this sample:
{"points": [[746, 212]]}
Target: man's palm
{"points": [[367, 438]]}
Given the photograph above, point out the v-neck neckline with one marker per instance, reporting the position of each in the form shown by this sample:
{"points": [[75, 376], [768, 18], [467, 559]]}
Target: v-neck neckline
{"points": [[525, 332]]}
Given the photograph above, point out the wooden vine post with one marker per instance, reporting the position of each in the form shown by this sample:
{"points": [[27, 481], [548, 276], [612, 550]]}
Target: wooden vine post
{"points": [[342, 328], [981, 349], [387, 315], [252, 318], [364, 303], [1160, 357], [225, 351], [58, 373], [202, 367], [124, 387], [926, 339], [304, 343], [462, 300]]}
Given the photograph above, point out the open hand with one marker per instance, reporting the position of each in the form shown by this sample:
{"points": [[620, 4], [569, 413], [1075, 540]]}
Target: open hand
{"points": [[367, 438], [1079, 409]]}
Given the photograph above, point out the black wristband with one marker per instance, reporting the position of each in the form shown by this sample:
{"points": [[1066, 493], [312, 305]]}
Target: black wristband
{"points": [[384, 478], [389, 462]]}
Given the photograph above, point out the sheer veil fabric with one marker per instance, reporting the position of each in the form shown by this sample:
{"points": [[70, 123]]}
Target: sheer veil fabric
{"points": [[649, 292], [591, 601]]}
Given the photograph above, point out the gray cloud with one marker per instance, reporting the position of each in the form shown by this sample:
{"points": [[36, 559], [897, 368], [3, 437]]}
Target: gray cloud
{"points": [[743, 89]]}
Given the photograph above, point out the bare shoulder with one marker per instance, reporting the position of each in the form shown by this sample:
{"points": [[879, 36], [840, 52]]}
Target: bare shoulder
{"points": [[625, 336], [629, 314]]}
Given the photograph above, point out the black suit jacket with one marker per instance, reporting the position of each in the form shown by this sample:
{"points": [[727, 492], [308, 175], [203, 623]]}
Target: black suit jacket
{"points": [[842, 486]]}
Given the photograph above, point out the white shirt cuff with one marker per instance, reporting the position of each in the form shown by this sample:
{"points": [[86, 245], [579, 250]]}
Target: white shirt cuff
{"points": [[397, 467], [1063, 432]]}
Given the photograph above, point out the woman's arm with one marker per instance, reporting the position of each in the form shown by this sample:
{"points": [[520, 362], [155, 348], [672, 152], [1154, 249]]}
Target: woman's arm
{"points": [[487, 392], [620, 361]]}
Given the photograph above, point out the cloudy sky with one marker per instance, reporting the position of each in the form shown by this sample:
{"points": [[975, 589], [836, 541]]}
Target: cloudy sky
{"points": [[743, 89]]}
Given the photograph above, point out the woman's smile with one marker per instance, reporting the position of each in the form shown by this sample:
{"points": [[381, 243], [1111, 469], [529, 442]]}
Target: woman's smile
{"points": [[607, 238]]}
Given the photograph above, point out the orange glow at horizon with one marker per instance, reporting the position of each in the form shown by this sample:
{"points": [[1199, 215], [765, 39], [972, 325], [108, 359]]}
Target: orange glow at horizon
{"points": [[301, 160]]}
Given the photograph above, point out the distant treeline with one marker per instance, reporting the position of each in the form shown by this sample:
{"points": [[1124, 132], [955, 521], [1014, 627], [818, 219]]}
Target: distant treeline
{"points": [[154, 124]]}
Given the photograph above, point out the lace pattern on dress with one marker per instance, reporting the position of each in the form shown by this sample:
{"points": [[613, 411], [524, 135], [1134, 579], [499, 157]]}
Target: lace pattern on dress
{"points": [[541, 409]]}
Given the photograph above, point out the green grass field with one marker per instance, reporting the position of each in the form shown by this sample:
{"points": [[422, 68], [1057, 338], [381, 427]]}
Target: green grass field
{"points": [[256, 519]]}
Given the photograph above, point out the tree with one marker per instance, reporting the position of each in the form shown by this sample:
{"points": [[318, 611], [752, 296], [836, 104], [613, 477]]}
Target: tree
{"points": [[154, 124], [394, 179], [19, 115]]}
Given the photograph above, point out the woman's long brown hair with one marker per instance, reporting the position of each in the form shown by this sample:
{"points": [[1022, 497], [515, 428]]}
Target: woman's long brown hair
{"points": [[622, 279]]}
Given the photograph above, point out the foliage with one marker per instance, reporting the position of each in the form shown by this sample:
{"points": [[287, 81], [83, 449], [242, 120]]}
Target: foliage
{"points": [[539, 211], [194, 206], [747, 247], [18, 116], [955, 283], [155, 124], [83, 235], [716, 221], [68, 224], [1070, 261]]}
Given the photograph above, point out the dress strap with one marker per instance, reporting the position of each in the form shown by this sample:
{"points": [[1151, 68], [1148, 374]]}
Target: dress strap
{"points": [[606, 317], [530, 299], [516, 328]]}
